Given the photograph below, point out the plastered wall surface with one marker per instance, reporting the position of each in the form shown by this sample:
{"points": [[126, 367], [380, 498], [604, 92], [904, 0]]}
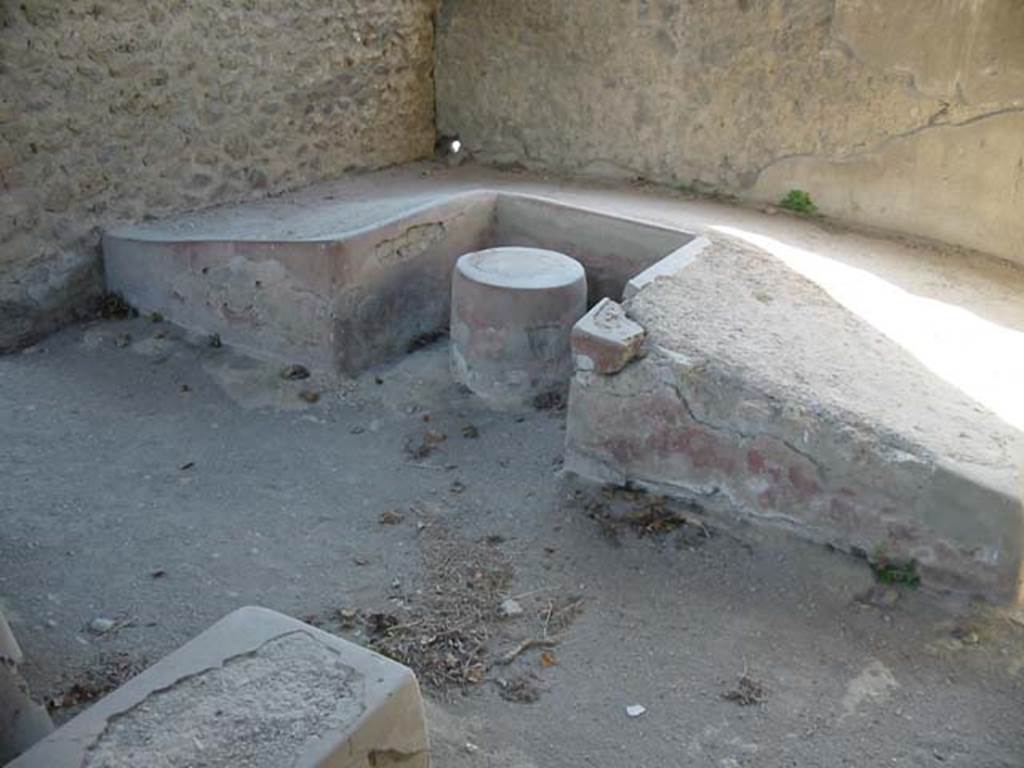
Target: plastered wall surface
{"points": [[114, 110], [898, 114]]}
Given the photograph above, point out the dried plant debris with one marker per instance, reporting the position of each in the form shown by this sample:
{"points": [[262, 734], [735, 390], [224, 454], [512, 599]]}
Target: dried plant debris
{"points": [[112, 306], [446, 635], [616, 510], [423, 446], [108, 672], [525, 645], [651, 515], [458, 625], [450, 628], [522, 689], [747, 692], [554, 617], [559, 613], [390, 517]]}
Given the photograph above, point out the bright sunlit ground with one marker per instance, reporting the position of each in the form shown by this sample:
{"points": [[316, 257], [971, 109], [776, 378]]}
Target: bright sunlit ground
{"points": [[981, 358]]}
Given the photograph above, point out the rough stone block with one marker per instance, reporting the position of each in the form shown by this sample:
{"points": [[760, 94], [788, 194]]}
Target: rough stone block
{"points": [[256, 689], [763, 399], [605, 339]]}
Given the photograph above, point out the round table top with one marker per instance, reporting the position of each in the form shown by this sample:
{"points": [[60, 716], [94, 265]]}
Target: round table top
{"points": [[522, 268]]}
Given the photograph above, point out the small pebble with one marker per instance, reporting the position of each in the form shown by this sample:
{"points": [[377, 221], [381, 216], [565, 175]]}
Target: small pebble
{"points": [[510, 608], [100, 626], [635, 710], [294, 372]]}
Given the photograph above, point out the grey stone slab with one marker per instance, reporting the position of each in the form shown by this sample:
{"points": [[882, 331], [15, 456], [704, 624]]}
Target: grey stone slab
{"points": [[256, 689]]}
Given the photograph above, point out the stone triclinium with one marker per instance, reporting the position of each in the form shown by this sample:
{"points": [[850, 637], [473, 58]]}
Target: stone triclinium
{"points": [[351, 286]]}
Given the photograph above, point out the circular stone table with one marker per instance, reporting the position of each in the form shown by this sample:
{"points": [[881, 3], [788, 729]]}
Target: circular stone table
{"points": [[512, 312]]}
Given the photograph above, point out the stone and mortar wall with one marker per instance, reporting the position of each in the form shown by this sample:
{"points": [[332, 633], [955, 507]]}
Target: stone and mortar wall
{"points": [[904, 115], [114, 110]]}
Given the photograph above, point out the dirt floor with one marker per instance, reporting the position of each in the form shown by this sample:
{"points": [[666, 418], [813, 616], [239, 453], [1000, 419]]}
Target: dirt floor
{"points": [[157, 482]]}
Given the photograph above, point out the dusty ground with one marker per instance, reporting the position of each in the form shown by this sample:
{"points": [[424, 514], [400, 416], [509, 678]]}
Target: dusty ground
{"points": [[160, 483]]}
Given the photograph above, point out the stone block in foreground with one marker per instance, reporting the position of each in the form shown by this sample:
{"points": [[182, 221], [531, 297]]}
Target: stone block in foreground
{"points": [[22, 721], [764, 400], [256, 689]]}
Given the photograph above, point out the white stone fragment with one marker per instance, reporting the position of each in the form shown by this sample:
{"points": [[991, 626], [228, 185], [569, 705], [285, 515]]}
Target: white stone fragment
{"points": [[510, 608]]}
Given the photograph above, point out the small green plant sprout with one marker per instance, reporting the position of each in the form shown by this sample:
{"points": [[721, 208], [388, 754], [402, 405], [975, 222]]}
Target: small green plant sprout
{"points": [[890, 571], [798, 201]]}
